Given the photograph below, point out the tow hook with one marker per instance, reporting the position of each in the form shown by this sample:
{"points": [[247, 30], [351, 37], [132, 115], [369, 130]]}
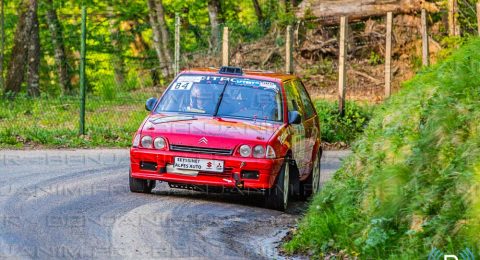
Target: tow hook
{"points": [[238, 183]]}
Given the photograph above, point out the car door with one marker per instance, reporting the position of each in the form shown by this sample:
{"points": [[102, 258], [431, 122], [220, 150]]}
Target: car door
{"points": [[294, 103], [310, 125]]}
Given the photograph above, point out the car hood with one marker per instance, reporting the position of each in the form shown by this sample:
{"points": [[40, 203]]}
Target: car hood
{"points": [[218, 132]]}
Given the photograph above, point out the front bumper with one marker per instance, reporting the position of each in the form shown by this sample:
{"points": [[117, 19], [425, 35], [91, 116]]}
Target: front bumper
{"points": [[233, 166]]}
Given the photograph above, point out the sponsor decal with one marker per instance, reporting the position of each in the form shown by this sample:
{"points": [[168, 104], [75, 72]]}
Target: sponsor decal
{"points": [[283, 137], [186, 82]]}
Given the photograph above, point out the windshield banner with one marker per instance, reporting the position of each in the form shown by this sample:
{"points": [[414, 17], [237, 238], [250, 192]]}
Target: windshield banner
{"points": [[186, 82]]}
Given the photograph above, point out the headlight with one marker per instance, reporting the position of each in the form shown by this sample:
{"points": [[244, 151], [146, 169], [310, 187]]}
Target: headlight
{"points": [[159, 143], [270, 152], [136, 140], [245, 150], [147, 142], [258, 151]]}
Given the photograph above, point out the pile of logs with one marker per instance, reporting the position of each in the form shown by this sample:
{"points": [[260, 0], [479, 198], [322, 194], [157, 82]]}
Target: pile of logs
{"points": [[328, 11]]}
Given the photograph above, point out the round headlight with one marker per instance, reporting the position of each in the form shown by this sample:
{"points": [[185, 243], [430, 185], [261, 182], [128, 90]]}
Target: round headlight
{"points": [[258, 151], [245, 150], [159, 143], [147, 142]]}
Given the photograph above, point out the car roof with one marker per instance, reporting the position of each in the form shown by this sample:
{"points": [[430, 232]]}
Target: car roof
{"points": [[252, 74]]}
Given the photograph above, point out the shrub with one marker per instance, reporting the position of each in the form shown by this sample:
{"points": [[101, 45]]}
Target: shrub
{"points": [[412, 181], [337, 128]]}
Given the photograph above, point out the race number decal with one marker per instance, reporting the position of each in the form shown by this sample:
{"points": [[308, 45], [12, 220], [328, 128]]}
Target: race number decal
{"points": [[182, 86]]}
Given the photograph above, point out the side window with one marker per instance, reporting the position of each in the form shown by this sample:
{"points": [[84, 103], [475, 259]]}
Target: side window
{"points": [[293, 98], [307, 103]]}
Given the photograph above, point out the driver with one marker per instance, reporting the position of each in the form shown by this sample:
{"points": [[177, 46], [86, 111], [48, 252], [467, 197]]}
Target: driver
{"points": [[265, 103], [202, 99]]}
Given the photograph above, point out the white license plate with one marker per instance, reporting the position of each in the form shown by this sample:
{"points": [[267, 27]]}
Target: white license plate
{"points": [[198, 164]]}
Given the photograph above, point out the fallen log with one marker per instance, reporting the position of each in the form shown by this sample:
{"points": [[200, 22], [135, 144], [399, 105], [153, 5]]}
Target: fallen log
{"points": [[365, 75], [329, 11]]}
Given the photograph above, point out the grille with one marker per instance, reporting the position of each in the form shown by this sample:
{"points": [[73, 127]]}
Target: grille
{"points": [[227, 172], [193, 149]]}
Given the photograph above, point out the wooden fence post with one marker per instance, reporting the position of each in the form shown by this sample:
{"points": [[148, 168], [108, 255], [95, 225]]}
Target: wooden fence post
{"points": [[388, 56], [288, 51], [425, 48], [453, 25], [177, 44], [341, 64], [83, 51], [478, 17], [225, 51]]}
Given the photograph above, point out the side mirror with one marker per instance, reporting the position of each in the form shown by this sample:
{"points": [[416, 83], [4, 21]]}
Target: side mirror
{"points": [[150, 104], [294, 117]]}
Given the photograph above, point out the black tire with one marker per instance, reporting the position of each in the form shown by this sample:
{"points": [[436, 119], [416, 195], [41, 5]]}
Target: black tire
{"points": [[140, 185], [312, 184], [277, 197]]}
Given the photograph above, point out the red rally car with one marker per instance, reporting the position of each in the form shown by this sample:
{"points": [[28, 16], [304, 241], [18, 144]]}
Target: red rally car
{"points": [[231, 130]]}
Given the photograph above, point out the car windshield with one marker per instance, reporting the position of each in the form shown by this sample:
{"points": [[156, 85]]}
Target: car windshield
{"points": [[223, 97]]}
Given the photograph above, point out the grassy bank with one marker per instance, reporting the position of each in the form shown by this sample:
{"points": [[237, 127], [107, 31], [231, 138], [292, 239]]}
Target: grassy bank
{"points": [[53, 123], [111, 122], [412, 182]]}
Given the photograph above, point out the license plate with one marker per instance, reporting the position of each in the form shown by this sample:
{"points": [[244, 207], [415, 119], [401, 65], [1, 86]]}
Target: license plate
{"points": [[198, 164]]}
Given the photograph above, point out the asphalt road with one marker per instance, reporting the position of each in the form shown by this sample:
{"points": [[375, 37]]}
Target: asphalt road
{"points": [[76, 204]]}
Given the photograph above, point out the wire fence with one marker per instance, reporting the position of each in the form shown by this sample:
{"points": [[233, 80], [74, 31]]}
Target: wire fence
{"points": [[316, 51]]}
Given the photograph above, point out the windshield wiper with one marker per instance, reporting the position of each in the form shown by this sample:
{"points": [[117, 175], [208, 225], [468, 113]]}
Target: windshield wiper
{"points": [[220, 99]]}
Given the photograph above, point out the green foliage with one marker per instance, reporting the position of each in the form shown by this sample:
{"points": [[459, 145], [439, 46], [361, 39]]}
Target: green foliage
{"points": [[106, 89], [450, 44], [467, 17], [134, 37], [337, 128], [48, 122], [416, 62], [375, 59], [412, 181]]}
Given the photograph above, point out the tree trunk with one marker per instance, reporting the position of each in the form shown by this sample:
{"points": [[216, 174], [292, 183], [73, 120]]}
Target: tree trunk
{"points": [[141, 47], [116, 56], [16, 66], [59, 47], [164, 34], [157, 37], [2, 41], [214, 11], [330, 10], [33, 68], [258, 11]]}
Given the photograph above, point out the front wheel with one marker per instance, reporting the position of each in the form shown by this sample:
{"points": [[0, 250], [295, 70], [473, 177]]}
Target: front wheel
{"points": [[312, 185], [277, 196], [140, 185]]}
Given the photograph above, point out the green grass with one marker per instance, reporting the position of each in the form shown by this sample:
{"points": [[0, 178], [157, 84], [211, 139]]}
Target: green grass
{"points": [[412, 182], [53, 123]]}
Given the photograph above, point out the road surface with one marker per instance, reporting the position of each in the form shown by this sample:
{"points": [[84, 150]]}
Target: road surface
{"points": [[76, 204]]}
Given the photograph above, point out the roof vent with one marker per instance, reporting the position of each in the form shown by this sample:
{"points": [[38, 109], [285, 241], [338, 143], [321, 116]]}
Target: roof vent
{"points": [[230, 70]]}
